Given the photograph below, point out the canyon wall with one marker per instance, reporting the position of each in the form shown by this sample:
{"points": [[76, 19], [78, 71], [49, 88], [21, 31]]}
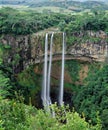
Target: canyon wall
{"points": [[29, 49]]}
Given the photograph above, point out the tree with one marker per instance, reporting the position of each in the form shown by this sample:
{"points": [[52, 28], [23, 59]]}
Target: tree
{"points": [[93, 97]]}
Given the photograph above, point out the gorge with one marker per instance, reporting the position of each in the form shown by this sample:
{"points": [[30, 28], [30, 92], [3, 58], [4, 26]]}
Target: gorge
{"points": [[54, 65], [25, 51]]}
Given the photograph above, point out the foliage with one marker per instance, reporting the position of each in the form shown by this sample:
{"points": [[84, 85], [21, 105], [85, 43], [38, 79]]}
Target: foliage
{"points": [[73, 68], [12, 115], [90, 99], [88, 21], [79, 24], [5, 85], [93, 96], [30, 84], [26, 22], [15, 115]]}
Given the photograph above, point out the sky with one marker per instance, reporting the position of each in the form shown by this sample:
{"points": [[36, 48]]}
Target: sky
{"points": [[83, 0], [58, 0], [90, 0]]}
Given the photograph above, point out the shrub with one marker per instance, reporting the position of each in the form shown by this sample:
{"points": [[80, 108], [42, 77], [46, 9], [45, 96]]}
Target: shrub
{"points": [[93, 96], [17, 116], [64, 119]]}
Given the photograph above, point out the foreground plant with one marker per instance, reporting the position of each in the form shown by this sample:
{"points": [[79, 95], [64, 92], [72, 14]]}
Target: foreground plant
{"points": [[18, 116]]}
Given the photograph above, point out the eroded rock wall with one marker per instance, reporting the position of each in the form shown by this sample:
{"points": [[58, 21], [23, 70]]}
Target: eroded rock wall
{"points": [[29, 49]]}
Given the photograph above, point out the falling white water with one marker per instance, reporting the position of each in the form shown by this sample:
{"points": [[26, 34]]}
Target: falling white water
{"points": [[46, 99], [61, 91], [44, 85], [49, 102], [49, 72]]}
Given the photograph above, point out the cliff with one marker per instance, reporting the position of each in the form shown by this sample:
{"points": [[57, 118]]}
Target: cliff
{"points": [[29, 49]]}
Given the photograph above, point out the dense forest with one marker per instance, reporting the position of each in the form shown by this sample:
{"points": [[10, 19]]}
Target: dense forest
{"points": [[86, 89]]}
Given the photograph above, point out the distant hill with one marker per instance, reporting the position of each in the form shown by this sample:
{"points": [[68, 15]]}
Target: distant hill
{"points": [[17, 2], [73, 5]]}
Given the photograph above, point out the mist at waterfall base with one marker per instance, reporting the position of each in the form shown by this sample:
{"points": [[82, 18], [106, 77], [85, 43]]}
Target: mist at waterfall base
{"points": [[46, 84]]}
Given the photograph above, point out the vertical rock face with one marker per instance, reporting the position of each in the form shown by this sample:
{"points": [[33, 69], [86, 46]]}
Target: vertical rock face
{"points": [[94, 50], [26, 50], [20, 51], [29, 49], [92, 44]]}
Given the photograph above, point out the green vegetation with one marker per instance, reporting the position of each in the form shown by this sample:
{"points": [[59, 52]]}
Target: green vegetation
{"points": [[20, 22], [73, 67], [5, 85], [92, 97], [27, 22], [77, 28], [88, 21], [14, 115], [19, 92], [30, 85], [76, 6]]}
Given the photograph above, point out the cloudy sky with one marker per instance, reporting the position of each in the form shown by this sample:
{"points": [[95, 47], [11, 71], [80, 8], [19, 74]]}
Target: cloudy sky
{"points": [[82, 0], [91, 0]]}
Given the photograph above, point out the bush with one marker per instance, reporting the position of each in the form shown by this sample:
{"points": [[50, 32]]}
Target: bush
{"points": [[17, 116], [13, 115], [66, 121], [93, 97]]}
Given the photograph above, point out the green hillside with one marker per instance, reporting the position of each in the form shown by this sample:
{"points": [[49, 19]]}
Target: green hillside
{"points": [[73, 5], [68, 4]]}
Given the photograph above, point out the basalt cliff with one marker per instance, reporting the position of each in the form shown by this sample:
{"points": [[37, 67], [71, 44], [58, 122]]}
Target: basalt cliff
{"points": [[29, 49]]}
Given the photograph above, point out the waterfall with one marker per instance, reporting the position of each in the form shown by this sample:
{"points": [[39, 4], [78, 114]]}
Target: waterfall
{"points": [[61, 91], [45, 95], [49, 71], [47, 74], [44, 85]]}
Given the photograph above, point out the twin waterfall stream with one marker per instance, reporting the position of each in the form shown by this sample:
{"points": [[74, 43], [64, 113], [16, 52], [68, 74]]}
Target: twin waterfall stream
{"points": [[46, 85]]}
